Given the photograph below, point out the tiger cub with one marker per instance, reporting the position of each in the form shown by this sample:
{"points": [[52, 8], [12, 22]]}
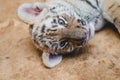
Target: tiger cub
{"points": [[62, 26]]}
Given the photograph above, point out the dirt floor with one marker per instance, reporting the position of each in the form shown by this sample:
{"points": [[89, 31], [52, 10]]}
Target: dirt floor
{"points": [[20, 60]]}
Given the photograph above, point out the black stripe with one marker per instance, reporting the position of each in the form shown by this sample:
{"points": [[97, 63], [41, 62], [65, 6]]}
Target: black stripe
{"points": [[45, 45], [36, 41], [31, 26], [43, 28], [97, 2], [90, 4], [30, 29], [115, 19], [54, 21], [35, 36], [54, 26], [116, 8], [111, 6]]}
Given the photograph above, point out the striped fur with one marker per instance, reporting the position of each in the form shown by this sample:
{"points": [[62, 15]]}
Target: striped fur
{"points": [[62, 26]]}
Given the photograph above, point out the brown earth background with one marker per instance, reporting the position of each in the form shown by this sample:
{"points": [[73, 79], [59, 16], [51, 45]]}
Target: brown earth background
{"points": [[20, 60]]}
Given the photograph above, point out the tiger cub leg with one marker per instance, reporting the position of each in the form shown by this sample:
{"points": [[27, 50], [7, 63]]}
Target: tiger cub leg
{"points": [[112, 12], [115, 16]]}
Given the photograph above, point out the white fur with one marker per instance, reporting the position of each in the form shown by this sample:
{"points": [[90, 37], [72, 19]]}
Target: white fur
{"points": [[92, 28]]}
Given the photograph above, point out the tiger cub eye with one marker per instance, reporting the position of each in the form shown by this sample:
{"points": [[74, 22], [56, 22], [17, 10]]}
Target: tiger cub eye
{"points": [[63, 43], [61, 22]]}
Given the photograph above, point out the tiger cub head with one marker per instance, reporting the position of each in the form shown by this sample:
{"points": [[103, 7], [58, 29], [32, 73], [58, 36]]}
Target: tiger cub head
{"points": [[55, 33]]}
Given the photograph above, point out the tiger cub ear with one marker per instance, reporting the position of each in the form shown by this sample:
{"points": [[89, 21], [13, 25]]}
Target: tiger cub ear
{"points": [[50, 60], [30, 12]]}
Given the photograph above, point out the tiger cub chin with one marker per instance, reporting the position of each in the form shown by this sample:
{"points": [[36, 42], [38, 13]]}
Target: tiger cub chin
{"points": [[62, 26]]}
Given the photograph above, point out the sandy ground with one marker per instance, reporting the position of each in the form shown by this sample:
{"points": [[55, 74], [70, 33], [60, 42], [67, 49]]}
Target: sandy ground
{"points": [[20, 60]]}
